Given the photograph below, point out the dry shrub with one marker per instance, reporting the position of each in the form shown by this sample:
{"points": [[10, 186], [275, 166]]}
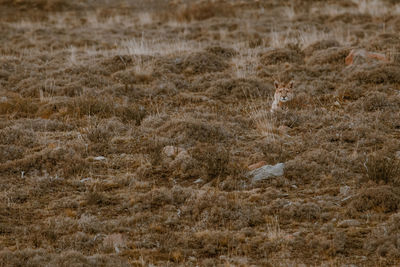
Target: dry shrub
{"points": [[92, 105], [160, 197], [114, 242], [46, 185], [227, 210], [24, 257], [333, 55], [380, 101], [381, 167], [116, 63], [153, 147], [44, 125], [189, 131], [350, 91], [193, 64], [132, 76], [381, 199], [375, 74], [74, 258], [296, 211], [290, 117], [154, 199], [44, 5], [90, 224], [384, 239], [104, 107], [80, 241], [281, 55], [213, 159], [213, 243], [276, 151], [19, 107], [98, 198], [351, 18], [202, 10], [320, 45], [131, 113], [99, 134], [223, 52], [302, 170], [384, 42], [10, 152], [265, 122], [18, 137], [239, 88], [64, 162]]}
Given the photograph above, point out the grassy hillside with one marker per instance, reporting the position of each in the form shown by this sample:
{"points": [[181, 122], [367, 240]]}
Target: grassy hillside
{"points": [[127, 129]]}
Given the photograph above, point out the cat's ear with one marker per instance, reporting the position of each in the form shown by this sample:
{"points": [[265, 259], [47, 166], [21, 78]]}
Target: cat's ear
{"points": [[276, 84], [290, 84]]}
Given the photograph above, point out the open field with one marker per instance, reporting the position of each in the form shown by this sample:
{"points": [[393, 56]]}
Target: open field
{"points": [[127, 129]]}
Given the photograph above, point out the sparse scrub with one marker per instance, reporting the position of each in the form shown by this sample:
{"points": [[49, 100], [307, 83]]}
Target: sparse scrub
{"points": [[380, 166], [203, 10], [128, 131], [215, 160], [382, 198], [188, 131], [265, 122], [284, 55]]}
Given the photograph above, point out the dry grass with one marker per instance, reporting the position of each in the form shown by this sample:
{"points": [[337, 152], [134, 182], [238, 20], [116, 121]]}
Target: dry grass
{"points": [[307, 36], [144, 46], [95, 93], [265, 122], [381, 167]]}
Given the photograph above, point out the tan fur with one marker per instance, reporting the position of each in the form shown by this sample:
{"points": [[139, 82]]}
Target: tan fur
{"points": [[283, 95]]}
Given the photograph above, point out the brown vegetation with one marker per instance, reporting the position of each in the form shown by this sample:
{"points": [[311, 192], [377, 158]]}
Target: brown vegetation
{"points": [[128, 128]]}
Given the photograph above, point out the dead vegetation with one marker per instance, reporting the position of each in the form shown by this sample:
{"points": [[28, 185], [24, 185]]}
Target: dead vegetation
{"points": [[128, 129]]}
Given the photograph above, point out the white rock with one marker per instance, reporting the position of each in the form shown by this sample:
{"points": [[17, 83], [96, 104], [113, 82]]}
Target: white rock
{"points": [[267, 171], [99, 158]]}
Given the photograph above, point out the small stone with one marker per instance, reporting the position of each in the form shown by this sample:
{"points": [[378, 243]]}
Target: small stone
{"points": [[99, 158], [398, 154], [198, 181], [348, 223], [266, 171]]}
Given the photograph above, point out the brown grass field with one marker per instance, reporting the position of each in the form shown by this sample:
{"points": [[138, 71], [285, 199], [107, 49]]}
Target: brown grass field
{"points": [[127, 128]]}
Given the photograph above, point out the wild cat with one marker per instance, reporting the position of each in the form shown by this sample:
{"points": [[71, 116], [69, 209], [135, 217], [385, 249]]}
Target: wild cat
{"points": [[283, 95]]}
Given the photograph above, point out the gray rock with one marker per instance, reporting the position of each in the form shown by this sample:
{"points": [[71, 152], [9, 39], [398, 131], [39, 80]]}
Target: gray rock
{"points": [[266, 172]]}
